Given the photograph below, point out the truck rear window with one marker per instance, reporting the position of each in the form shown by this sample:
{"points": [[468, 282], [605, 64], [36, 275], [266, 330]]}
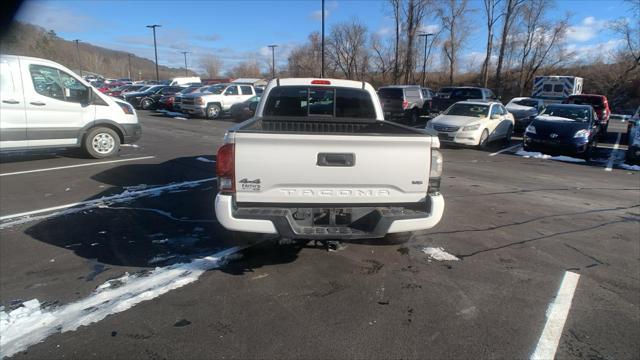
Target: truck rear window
{"points": [[390, 93], [319, 101]]}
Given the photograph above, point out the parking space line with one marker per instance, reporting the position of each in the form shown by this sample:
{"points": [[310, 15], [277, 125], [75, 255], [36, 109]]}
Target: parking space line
{"points": [[75, 166], [613, 153], [556, 317], [505, 149]]}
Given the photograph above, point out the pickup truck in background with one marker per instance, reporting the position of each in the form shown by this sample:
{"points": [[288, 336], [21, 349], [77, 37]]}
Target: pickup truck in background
{"points": [[216, 100], [463, 93], [318, 161]]}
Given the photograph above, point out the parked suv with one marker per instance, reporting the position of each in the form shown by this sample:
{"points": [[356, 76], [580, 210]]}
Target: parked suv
{"points": [[402, 102], [463, 93], [217, 100], [427, 96], [599, 103]]}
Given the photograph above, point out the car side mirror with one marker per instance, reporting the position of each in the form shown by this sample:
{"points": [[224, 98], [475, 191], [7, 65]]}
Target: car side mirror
{"points": [[495, 117]]}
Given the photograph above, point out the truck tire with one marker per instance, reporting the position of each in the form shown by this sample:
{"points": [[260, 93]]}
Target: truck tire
{"points": [[101, 142], [413, 117], [213, 111], [397, 238]]}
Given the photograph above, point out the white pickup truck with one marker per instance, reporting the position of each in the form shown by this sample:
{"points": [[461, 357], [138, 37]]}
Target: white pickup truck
{"points": [[216, 99], [318, 161]]}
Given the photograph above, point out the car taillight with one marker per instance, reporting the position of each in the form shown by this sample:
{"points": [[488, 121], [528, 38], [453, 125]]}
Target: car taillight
{"points": [[225, 168], [405, 104]]}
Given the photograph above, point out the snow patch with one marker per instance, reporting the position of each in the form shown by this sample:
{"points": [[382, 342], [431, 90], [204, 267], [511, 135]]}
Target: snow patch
{"points": [[203, 159], [539, 155], [438, 254], [31, 323], [629, 167]]}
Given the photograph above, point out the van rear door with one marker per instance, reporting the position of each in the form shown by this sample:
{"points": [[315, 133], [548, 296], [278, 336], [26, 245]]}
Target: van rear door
{"points": [[13, 122]]}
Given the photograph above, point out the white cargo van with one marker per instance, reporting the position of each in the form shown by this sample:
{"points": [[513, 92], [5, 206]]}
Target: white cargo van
{"points": [[45, 105], [554, 89], [182, 81]]}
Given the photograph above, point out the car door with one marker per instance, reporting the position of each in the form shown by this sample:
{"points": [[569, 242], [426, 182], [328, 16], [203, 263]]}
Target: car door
{"points": [[13, 121], [56, 106], [246, 92], [493, 122], [231, 96]]}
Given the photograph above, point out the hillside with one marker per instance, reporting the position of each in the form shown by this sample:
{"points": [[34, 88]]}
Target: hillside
{"points": [[31, 40]]}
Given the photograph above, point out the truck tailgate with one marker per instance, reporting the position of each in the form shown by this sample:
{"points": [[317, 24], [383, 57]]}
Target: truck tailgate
{"points": [[331, 169]]}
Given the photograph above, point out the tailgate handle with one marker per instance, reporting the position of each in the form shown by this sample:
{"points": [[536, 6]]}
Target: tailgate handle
{"points": [[336, 159]]}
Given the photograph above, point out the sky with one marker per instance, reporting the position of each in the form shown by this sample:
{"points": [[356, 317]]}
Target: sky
{"points": [[241, 29]]}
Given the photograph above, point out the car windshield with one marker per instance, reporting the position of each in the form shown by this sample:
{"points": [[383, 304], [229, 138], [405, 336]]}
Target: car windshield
{"points": [[216, 89], [472, 110], [576, 113], [525, 102], [467, 94]]}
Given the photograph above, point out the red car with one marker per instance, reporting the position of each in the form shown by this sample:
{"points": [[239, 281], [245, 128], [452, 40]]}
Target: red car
{"points": [[599, 103], [107, 87], [166, 102]]}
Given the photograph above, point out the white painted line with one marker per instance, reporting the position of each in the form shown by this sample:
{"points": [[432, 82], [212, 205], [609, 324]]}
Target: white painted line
{"points": [[613, 153], [75, 166], [30, 324], [556, 317], [127, 195], [506, 149], [607, 146]]}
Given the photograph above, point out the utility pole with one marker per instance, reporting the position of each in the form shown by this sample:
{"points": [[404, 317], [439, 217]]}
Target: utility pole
{"points": [[155, 48], [424, 63], [129, 73], [322, 66], [77, 41], [273, 60], [185, 62]]}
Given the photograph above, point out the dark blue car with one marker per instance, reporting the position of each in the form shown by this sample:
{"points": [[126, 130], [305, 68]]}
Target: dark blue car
{"points": [[563, 129]]}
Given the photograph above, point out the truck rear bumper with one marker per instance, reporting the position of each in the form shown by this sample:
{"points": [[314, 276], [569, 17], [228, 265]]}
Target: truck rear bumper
{"points": [[367, 222]]}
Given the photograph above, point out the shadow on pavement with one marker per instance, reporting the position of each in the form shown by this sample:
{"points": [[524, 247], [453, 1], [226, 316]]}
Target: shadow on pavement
{"points": [[18, 156]]}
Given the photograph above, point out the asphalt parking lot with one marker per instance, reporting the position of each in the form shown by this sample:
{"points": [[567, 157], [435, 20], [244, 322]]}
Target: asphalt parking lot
{"points": [[104, 246]]}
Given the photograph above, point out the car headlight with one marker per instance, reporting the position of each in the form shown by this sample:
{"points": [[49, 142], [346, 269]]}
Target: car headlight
{"points": [[429, 125], [584, 133], [471, 127], [530, 129], [199, 101], [126, 108]]}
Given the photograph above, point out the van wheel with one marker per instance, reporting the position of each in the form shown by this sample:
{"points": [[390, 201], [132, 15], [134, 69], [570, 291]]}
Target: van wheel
{"points": [[146, 104], [101, 143], [397, 238], [484, 139], [213, 111]]}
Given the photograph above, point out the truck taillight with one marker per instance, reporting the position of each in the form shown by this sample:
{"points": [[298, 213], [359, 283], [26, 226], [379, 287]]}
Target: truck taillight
{"points": [[435, 171], [405, 104], [225, 168]]}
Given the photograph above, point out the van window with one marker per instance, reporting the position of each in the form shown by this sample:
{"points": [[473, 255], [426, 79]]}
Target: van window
{"points": [[558, 88], [51, 82], [547, 87], [246, 90]]}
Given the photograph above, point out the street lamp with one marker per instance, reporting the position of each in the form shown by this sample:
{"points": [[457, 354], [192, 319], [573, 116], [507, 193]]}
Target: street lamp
{"points": [[273, 60], [185, 62], [155, 48], [78, 52], [424, 64], [129, 73], [322, 62]]}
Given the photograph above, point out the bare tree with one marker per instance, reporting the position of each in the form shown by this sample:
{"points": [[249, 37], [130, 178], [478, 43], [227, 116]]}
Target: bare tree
{"points": [[347, 49], [395, 6], [304, 60], [414, 13], [490, 9], [539, 40], [509, 15], [211, 64], [629, 31], [452, 14], [249, 68], [381, 58]]}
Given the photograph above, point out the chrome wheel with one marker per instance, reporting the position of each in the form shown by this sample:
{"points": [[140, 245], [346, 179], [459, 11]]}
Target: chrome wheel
{"points": [[103, 143]]}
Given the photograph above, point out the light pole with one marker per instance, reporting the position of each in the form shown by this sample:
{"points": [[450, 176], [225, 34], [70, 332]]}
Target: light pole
{"points": [[322, 62], [129, 73], [273, 60], [155, 48], [185, 62], [424, 63], [77, 41]]}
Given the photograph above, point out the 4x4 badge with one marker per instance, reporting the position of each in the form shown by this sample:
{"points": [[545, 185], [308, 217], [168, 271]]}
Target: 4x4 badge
{"points": [[247, 181]]}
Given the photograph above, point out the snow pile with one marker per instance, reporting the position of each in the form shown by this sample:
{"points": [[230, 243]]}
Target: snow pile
{"points": [[538, 155], [128, 195], [203, 159], [171, 113], [31, 324], [439, 254], [629, 167]]}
